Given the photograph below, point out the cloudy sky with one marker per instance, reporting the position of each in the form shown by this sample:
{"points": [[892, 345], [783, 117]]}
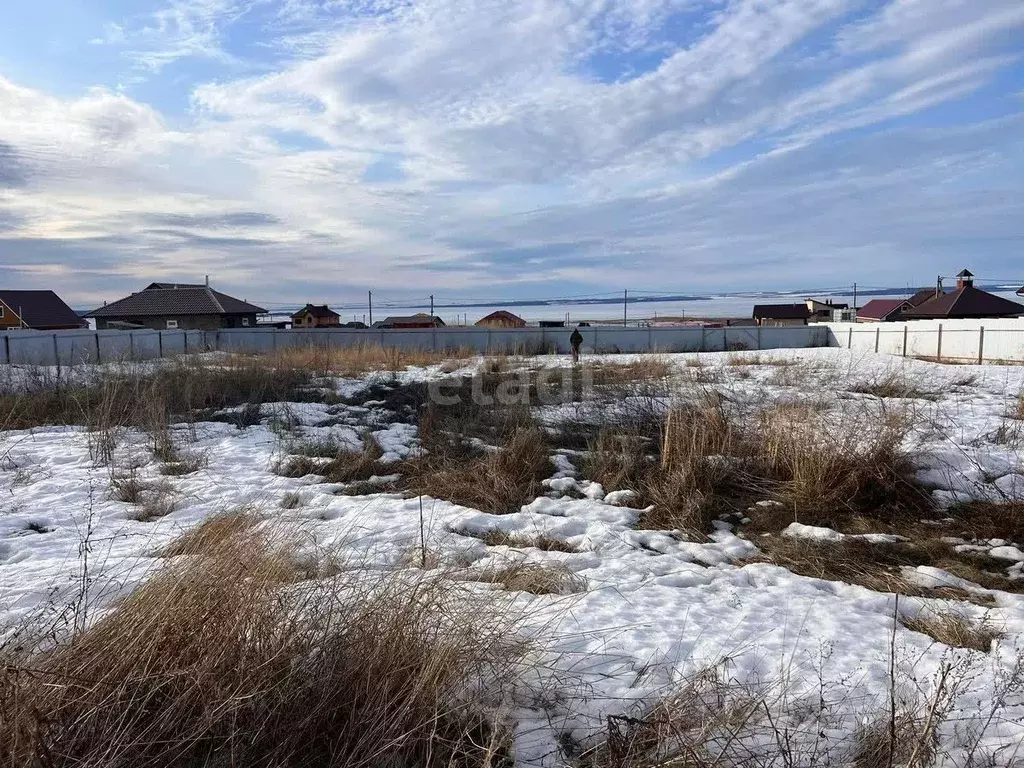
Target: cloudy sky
{"points": [[312, 149]]}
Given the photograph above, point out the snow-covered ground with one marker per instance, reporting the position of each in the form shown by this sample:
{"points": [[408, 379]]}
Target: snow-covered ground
{"points": [[656, 607]]}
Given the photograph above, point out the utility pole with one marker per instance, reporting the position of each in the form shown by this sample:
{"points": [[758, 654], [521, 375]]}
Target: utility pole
{"points": [[625, 300], [369, 299], [431, 305], [855, 296], [938, 286]]}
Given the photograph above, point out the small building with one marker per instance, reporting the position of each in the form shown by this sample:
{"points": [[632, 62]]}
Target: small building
{"points": [[552, 324], [781, 314], [39, 310], [419, 320], [883, 310], [163, 306], [823, 311], [966, 302], [316, 316], [501, 319], [356, 325]]}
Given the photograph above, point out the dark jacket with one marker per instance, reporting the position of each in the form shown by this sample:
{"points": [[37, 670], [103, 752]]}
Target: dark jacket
{"points": [[576, 339]]}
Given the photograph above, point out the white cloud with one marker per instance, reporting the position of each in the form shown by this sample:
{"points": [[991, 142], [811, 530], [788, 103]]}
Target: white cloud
{"points": [[508, 132]]}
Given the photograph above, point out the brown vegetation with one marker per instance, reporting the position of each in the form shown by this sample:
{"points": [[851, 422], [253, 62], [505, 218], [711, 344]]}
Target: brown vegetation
{"points": [[952, 629], [213, 662]]}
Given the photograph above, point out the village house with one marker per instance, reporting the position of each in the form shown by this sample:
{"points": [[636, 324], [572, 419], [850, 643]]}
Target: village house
{"points": [[39, 310], [419, 320], [169, 306], [501, 319], [316, 316], [966, 302], [781, 314]]}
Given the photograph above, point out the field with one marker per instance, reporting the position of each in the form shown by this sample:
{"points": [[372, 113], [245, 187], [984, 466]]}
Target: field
{"points": [[787, 558]]}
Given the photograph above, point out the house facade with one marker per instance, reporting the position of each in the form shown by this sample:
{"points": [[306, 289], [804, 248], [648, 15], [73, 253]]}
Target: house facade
{"points": [[39, 310], [419, 320], [316, 316], [173, 306]]}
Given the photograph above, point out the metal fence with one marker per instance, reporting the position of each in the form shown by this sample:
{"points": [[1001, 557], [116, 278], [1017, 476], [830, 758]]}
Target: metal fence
{"points": [[74, 347]]}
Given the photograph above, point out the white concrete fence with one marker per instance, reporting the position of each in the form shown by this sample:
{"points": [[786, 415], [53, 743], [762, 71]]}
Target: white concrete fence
{"points": [[74, 347], [968, 341]]}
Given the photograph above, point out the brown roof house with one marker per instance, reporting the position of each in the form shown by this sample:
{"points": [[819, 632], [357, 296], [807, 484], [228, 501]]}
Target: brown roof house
{"points": [[316, 316], [965, 302], [891, 310], [161, 306], [39, 310], [419, 320], [781, 314], [501, 319]]}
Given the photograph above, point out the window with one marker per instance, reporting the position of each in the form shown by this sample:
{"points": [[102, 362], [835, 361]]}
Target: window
{"points": [[245, 321], [1, 311], [172, 323]]}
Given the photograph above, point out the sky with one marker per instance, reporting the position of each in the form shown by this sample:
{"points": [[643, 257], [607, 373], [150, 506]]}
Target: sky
{"points": [[312, 150]]}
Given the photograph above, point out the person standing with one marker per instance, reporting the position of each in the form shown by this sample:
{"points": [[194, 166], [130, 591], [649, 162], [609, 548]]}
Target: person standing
{"points": [[574, 341]]}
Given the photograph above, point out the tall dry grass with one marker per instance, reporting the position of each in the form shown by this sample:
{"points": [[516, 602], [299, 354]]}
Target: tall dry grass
{"points": [[359, 358], [230, 656]]}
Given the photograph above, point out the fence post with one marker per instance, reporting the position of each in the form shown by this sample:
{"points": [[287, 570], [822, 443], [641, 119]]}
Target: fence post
{"points": [[981, 344], [184, 338], [56, 352], [98, 360], [650, 339], [849, 337], [160, 343], [7, 348], [703, 337], [905, 339], [878, 333], [131, 344], [938, 350], [759, 337]]}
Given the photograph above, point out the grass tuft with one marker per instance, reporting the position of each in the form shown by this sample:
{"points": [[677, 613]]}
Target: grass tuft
{"points": [[952, 629]]}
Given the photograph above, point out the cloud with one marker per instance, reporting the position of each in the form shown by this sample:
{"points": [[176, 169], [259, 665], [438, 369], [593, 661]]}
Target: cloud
{"points": [[526, 143]]}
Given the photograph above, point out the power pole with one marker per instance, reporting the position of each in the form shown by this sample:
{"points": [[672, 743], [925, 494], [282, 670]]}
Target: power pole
{"points": [[369, 298], [431, 305], [938, 286], [625, 300], [854, 295]]}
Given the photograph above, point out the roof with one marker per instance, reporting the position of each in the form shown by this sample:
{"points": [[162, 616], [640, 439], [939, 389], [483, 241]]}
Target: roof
{"points": [[317, 310], [420, 318], [968, 302], [501, 314], [880, 309], [965, 273], [919, 298], [41, 309], [165, 299], [781, 311]]}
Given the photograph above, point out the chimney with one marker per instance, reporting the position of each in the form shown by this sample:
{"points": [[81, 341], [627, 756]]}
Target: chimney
{"points": [[207, 281], [964, 279]]}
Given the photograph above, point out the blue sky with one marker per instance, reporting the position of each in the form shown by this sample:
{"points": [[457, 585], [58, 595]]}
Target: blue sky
{"points": [[313, 149]]}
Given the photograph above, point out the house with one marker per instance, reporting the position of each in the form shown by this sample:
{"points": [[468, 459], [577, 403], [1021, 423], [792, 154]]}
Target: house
{"points": [[39, 310], [823, 311], [162, 306], [552, 323], [781, 314], [419, 320], [316, 316], [501, 319], [356, 324], [883, 310], [965, 302], [891, 310]]}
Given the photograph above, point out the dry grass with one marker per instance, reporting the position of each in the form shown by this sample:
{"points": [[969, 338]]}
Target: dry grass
{"points": [[643, 368], [496, 538], [184, 465], [952, 629], [534, 578], [213, 534], [499, 481], [984, 520], [291, 500], [151, 498], [895, 384], [335, 462], [359, 358], [876, 566], [227, 658]]}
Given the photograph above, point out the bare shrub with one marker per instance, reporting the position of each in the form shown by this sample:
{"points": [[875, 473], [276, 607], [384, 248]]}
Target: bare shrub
{"points": [[212, 662], [291, 500], [952, 629], [499, 481], [535, 578]]}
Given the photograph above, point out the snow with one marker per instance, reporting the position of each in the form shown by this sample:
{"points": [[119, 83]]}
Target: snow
{"points": [[657, 605]]}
